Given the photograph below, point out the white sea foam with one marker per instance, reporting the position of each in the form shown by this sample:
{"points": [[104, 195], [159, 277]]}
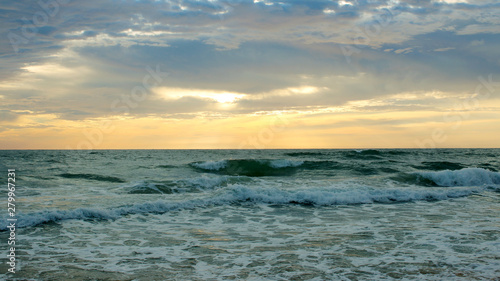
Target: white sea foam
{"points": [[142, 185], [464, 177], [274, 163], [207, 182], [211, 165], [343, 196]]}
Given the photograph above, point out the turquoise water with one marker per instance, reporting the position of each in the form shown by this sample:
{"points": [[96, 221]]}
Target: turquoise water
{"points": [[255, 214]]}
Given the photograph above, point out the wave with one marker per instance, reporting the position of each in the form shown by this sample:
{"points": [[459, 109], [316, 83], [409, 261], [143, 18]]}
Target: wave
{"points": [[463, 177], [413, 179], [367, 151], [488, 166], [304, 153], [369, 154], [94, 177], [351, 168], [284, 167], [166, 166], [238, 194], [440, 165], [210, 165], [249, 167], [362, 153], [181, 186], [145, 187]]}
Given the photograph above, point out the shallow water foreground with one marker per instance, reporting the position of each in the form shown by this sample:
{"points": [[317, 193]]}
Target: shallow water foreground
{"points": [[414, 241]]}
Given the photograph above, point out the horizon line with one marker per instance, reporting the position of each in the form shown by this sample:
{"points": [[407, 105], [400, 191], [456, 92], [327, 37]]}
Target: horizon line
{"points": [[354, 148]]}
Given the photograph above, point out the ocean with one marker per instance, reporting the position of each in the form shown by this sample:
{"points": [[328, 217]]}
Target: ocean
{"points": [[384, 214]]}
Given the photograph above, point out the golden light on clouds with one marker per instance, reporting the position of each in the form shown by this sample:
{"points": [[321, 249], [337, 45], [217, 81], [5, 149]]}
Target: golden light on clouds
{"points": [[177, 93], [402, 129], [217, 75], [226, 97], [453, 1]]}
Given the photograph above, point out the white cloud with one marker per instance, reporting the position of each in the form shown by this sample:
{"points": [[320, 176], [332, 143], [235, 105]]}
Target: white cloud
{"points": [[477, 42], [329, 11], [479, 28], [177, 93], [453, 1], [444, 49], [345, 3], [404, 51]]}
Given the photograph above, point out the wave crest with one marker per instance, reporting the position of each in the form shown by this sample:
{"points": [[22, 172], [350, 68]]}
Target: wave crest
{"points": [[180, 186], [463, 177], [250, 167]]}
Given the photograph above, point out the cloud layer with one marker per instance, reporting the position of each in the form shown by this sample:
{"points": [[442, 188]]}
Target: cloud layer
{"points": [[79, 61]]}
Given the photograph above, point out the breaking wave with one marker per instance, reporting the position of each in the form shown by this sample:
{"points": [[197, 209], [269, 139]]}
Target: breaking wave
{"points": [[463, 177], [238, 194], [250, 167]]}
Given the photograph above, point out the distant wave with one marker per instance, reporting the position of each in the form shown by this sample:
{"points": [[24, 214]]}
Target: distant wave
{"points": [[463, 177], [145, 187], [284, 167], [303, 153], [166, 166], [94, 177], [322, 165], [367, 151], [238, 194], [368, 154], [442, 165], [249, 167]]}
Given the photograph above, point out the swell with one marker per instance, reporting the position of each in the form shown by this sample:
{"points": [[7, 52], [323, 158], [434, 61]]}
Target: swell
{"points": [[93, 177], [373, 154], [439, 165], [282, 167], [361, 153], [249, 167], [182, 186], [304, 154]]}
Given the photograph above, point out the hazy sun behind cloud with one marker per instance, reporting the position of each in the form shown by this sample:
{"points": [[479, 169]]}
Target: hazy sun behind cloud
{"points": [[177, 93]]}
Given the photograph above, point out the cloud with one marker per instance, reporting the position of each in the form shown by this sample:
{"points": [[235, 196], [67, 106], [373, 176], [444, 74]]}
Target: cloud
{"points": [[444, 49], [8, 116], [477, 43], [403, 51], [255, 55], [85, 82], [479, 28]]}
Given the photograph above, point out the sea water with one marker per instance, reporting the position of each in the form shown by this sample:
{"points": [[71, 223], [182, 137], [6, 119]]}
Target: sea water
{"points": [[254, 214]]}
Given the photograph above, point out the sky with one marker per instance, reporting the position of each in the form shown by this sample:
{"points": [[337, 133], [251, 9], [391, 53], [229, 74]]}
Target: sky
{"points": [[258, 74]]}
